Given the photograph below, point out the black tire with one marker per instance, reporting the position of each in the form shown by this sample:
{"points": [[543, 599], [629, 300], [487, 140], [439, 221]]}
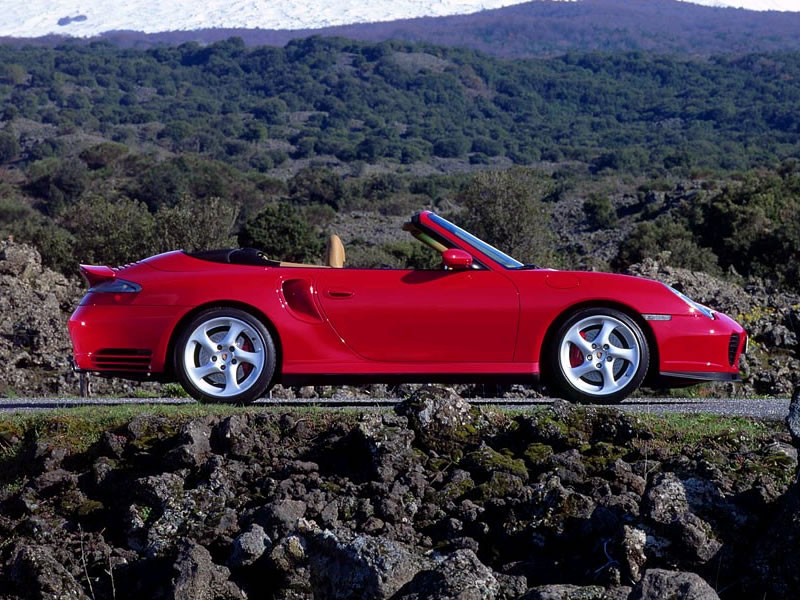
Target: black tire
{"points": [[584, 369], [236, 372]]}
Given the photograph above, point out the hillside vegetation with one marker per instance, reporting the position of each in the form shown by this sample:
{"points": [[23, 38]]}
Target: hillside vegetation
{"points": [[195, 146], [409, 102]]}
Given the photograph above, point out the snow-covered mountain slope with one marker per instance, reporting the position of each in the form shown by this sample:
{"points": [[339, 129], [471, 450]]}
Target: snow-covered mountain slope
{"points": [[85, 18], [30, 18], [783, 5]]}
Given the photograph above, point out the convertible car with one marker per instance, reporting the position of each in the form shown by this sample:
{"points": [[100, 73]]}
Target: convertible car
{"points": [[228, 324]]}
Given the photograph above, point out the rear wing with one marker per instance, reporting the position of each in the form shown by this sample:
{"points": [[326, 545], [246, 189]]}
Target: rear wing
{"points": [[96, 274]]}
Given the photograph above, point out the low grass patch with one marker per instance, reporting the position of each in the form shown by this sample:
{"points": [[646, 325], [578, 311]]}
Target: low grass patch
{"points": [[693, 429], [77, 428]]}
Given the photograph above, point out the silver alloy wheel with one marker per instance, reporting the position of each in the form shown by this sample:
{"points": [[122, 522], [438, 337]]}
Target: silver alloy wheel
{"points": [[599, 355], [224, 357]]}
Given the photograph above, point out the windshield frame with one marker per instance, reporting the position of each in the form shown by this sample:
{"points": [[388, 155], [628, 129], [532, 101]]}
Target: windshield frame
{"points": [[498, 256]]}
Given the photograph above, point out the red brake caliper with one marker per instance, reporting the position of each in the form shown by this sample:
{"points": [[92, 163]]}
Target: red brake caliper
{"points": [[247, 346], [576, 357]]}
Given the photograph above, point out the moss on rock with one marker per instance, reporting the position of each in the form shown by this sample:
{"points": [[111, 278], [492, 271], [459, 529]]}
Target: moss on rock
{"points": [[485, 461], [537, 454]]}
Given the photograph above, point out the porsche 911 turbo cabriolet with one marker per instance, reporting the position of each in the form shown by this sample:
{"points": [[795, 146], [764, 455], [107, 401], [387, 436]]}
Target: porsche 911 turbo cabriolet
{"points": [[228, 324]]}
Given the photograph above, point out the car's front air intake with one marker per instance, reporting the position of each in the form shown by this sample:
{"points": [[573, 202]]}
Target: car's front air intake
{"points": [[733, 346]]}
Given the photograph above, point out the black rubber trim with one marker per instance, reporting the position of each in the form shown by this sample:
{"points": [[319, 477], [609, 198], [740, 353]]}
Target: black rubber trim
{"points": [[235, 256], [338, 379], [701, 375], [132, 375]]}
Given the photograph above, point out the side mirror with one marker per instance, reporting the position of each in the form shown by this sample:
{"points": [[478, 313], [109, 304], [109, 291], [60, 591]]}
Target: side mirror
{"points": [[456, 259]]}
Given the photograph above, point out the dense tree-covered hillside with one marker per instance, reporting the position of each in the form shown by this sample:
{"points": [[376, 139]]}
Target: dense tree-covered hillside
{"points": [[406, 103]]}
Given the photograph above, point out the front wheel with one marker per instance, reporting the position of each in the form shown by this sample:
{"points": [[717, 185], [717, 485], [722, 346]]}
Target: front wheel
{"points": [[599, 355], [225, 355]]}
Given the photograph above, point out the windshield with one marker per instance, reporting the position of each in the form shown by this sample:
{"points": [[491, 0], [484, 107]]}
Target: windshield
{"points": [[490, 251]]}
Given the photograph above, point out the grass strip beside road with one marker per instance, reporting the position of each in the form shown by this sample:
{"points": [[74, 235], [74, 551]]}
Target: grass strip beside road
{"points": [[79, 427]]}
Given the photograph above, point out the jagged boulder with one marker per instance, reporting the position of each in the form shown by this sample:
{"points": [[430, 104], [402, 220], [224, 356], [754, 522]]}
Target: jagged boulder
{"points": [[442, 420], [384, 441], [249, 546], [37, 573], [366, 567], [34, 307], [196, 577], [194, 445], [793, 418], [459, 576], [667, 503], [658, 584]]}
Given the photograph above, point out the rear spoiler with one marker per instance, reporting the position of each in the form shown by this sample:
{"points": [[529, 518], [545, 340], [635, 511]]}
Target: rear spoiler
{"points": [[95, 274]]}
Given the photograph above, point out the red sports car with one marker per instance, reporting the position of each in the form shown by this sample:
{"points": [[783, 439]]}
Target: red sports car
{"points": [[228, 324]]}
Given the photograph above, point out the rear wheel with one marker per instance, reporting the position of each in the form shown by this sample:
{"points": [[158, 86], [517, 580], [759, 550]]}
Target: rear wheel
{"points": [[599, 355], [225, 355]]}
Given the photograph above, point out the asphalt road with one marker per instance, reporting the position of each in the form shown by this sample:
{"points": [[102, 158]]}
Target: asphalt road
{"points": [[762, 408]]}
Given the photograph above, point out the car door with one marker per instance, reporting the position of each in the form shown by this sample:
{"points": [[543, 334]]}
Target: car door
{"points": [[437, 316]]}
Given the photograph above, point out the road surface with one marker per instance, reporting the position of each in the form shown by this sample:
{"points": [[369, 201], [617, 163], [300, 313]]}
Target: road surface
{"points": [[762, 408]]}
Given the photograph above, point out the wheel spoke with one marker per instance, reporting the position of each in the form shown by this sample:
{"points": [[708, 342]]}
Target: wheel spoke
{"points": [[204, 370], [234, 332], [252, 358], [582, 370], [605, 333], [609, 383], [231, 384], [573, 337], [624, 353], [200, 337]]}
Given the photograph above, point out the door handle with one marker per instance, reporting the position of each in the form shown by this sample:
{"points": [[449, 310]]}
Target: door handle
{"points": [[339, 294]]}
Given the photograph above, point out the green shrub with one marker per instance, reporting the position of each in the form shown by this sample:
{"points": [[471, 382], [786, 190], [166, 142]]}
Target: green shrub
{"points": [[9, 147], [317, 185], [668, 241], [195, 225], [506, 209], [103, 155], [110, 232], [55, 244], [600, 214], [283, 233]]}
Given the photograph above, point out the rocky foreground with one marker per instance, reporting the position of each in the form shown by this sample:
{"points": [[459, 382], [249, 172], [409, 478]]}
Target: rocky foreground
{"points": [[436, 499]]}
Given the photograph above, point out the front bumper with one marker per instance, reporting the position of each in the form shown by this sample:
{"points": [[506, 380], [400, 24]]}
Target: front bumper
{"points": [[696, 348]]}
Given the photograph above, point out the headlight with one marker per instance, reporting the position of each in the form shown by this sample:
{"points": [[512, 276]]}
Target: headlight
{"points": [[116, 286], [704, 310]]}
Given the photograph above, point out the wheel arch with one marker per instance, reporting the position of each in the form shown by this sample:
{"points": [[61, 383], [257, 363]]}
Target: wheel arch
{"points": [[248, 308], [547, 341]]}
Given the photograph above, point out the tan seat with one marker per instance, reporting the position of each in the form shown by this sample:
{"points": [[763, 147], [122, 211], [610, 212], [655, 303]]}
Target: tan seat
{"points": [[334, 252]]}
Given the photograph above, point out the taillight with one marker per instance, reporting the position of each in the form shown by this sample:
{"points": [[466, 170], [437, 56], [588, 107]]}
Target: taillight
{"points": [[116, 286]]}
